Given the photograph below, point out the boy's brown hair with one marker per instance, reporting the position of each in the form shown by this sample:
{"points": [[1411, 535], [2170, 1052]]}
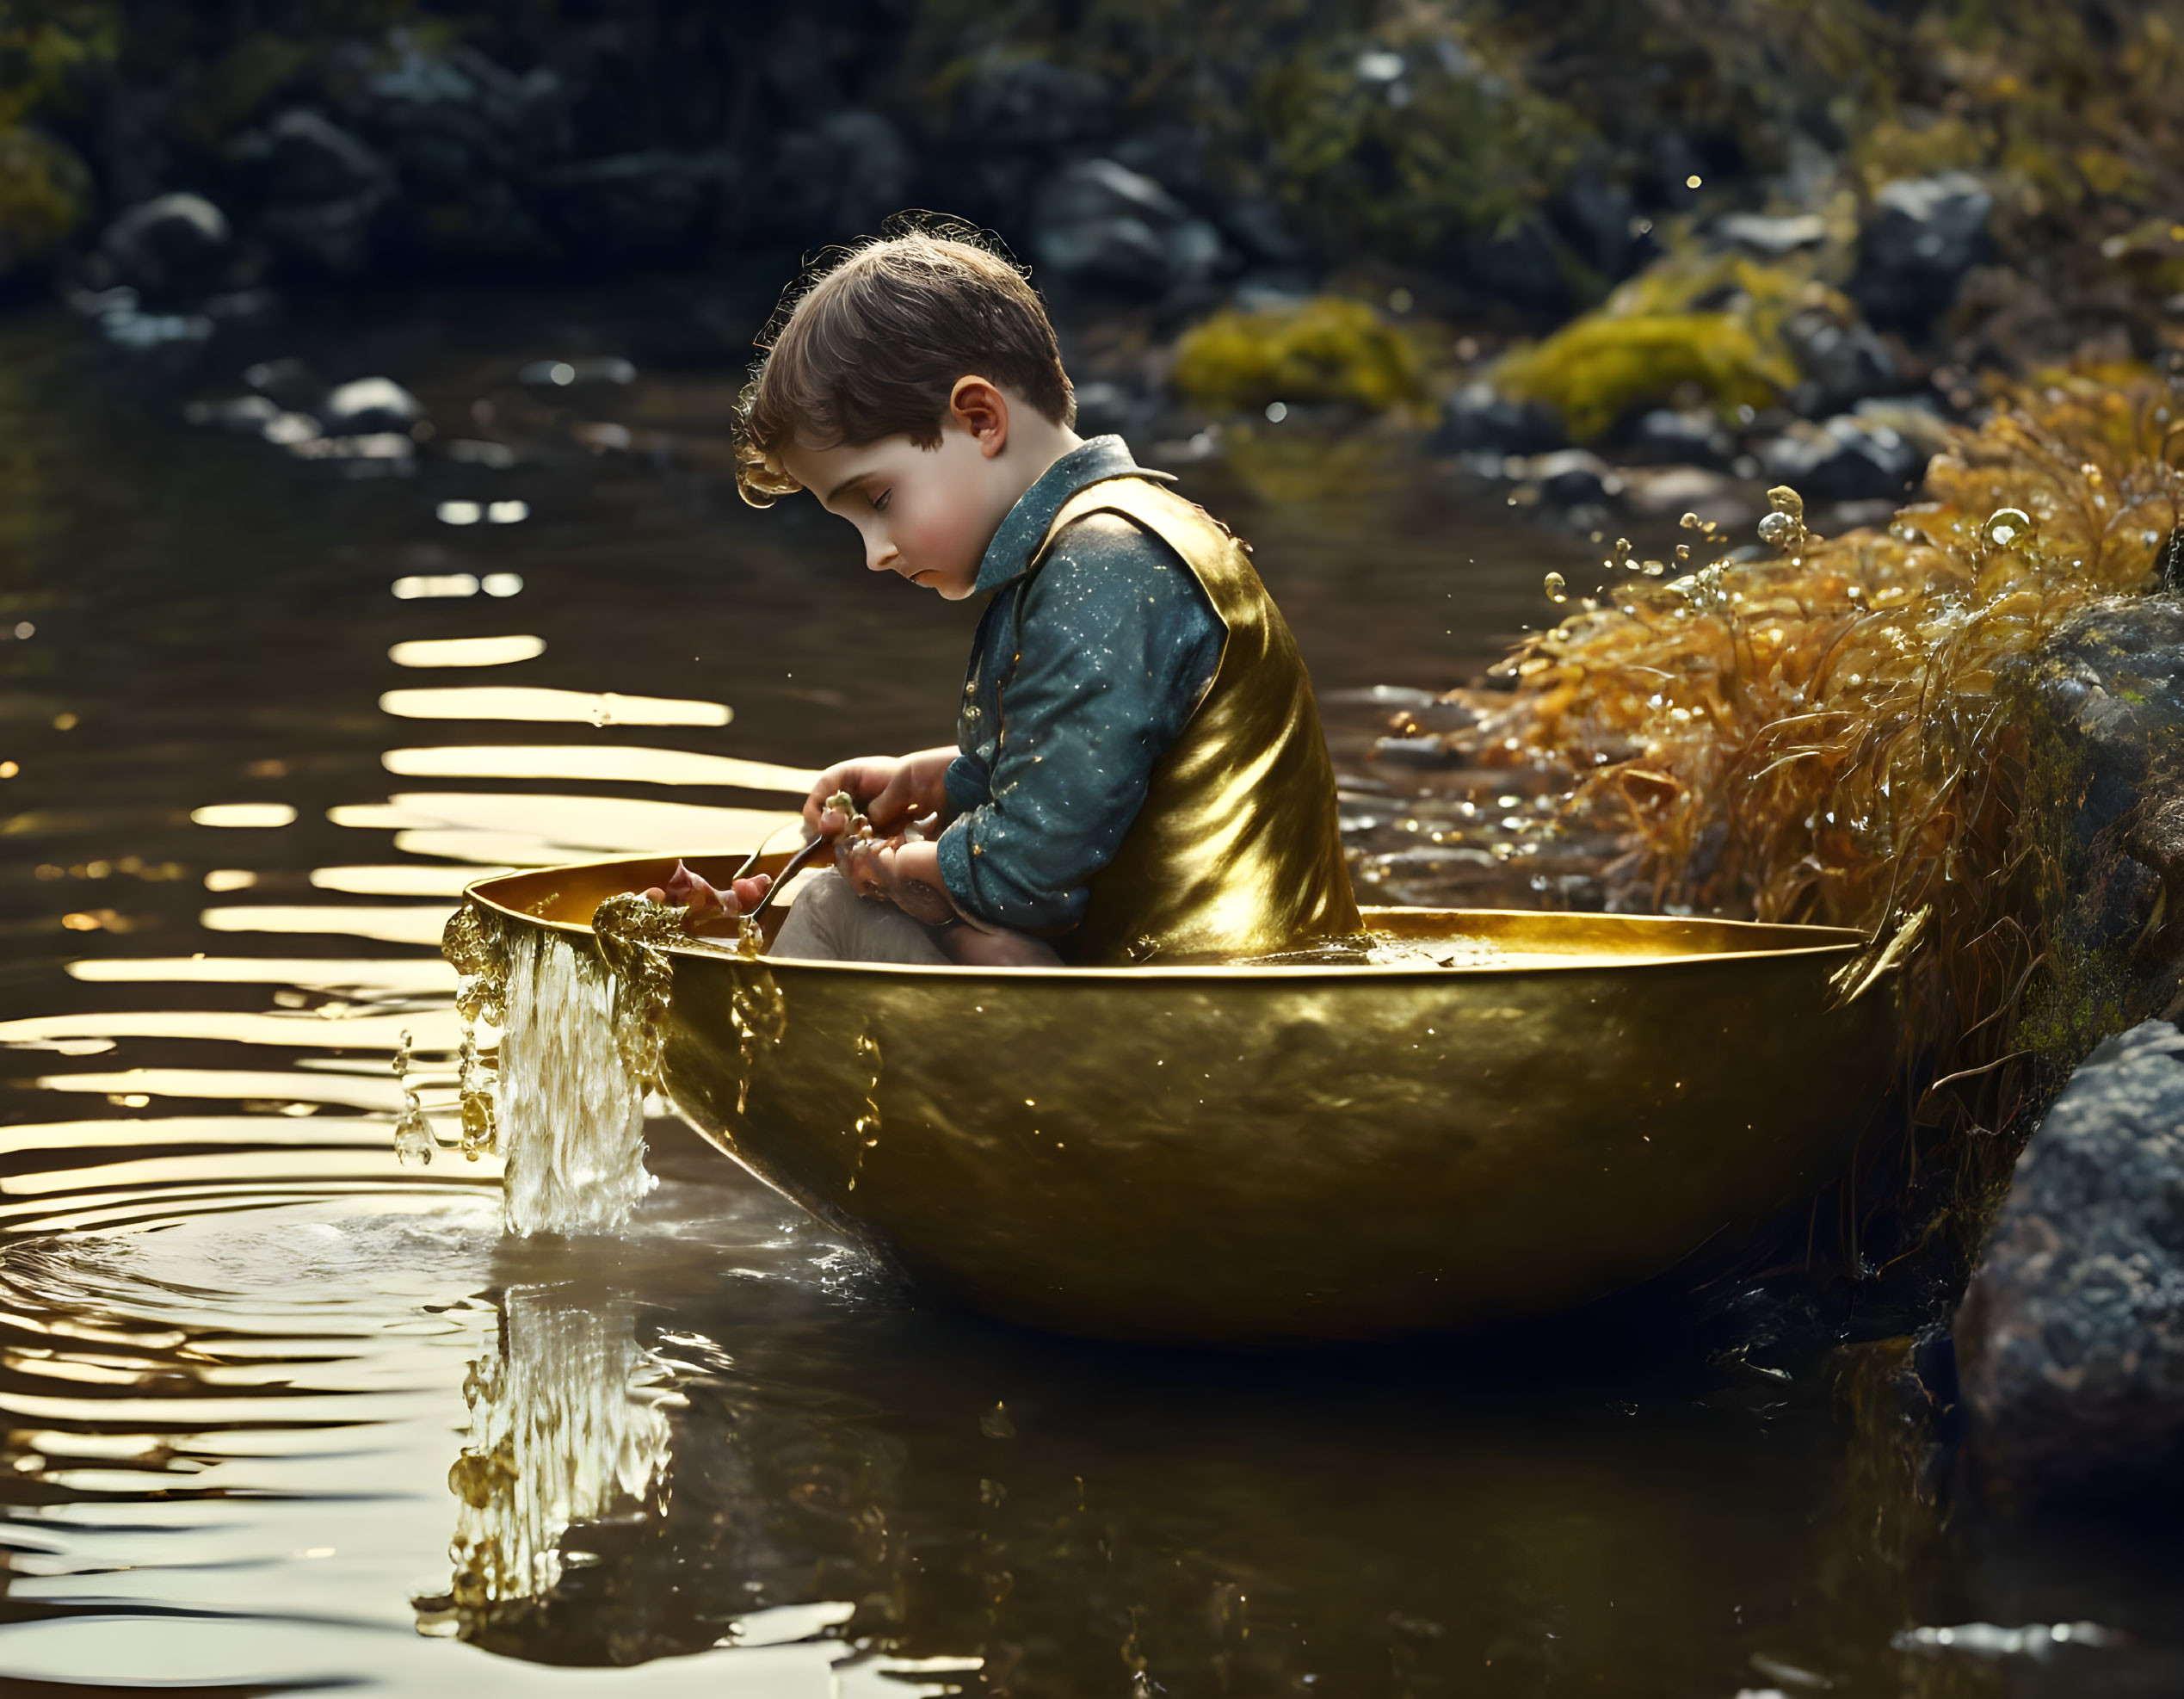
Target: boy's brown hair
{"points": [[873, 345]]}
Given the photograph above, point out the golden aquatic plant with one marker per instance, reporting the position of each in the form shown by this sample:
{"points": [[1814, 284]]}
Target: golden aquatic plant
{"points": [[1832, 733], [633, 935]]}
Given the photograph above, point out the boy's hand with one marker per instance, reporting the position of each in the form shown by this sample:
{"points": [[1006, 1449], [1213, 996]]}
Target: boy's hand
{"points": [[891, 789], [907, 875], [687, 889]]}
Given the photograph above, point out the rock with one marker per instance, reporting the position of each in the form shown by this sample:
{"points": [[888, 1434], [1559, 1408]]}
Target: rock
{"points": [[1479, 419], [289, 384], [605, 368], [465, 136], [1517, 264], [322, 189], [454, 120], [1104, 407], [1667, 437], [1686, 489], [45, 196], [1100, 224], [1259, 227], [1016, 103], [841, 178], [366, 406], [246, 415], [1842, 363], [1920, 237], [1571, 478], [2111, 685], [173, 248], [1602, 222], [1771, 238], [1914, 417], [632, 206], [2070, 1339], [1847, 458]]}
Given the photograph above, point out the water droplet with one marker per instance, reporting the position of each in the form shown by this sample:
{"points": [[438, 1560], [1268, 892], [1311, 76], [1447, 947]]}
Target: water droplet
{"points": [[2006, 526], [1778, 530], [1556, 588], [413, 1138], [1783, 499]]}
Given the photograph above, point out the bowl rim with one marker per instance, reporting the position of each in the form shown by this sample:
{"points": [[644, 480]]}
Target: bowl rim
{"points": [[1812, 941]]}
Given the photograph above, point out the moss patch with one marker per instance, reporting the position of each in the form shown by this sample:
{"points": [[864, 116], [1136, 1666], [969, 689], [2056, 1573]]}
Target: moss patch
{"points": [[45, 193], [1710, 322], [1324, 350]]}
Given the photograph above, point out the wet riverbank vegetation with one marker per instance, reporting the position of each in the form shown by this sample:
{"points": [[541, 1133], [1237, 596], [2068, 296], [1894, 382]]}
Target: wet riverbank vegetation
{"points": [[1863, 730]]}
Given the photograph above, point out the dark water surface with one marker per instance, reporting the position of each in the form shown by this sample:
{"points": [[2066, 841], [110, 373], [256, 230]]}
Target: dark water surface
{"points": [[280, 1413]]}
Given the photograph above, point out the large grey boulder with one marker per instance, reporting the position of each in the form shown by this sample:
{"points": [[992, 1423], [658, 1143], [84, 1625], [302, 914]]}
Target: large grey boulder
{"points": [[1100, 223], [1919, 237], [322, 189], [2070, 1339], [172, 249], [1845, 459]]}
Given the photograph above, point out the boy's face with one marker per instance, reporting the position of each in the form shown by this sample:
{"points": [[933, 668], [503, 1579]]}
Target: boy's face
{"points": [[925, 513]]}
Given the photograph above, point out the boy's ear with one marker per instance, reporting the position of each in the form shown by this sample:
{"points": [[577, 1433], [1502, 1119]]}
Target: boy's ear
{"points": [[981, 408]]}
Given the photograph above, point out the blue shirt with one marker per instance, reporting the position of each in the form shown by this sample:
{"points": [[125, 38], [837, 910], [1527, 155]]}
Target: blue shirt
{"points": [[1084, 672]]}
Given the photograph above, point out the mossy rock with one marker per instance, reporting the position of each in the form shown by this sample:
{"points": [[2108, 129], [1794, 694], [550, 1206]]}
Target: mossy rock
{"points": [[1327, 349], [45, 196], [1713, 322], [1408, 141]]}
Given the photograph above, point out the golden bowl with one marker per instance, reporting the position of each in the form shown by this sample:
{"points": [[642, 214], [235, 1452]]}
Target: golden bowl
{"points": [[1254, 1153]]}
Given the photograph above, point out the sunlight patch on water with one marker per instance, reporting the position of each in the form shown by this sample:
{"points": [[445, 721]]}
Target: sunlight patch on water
{"points": [[522, 702], [413, 976], [229, 1084], [244, 815], [597, 763], [400, 879], [466, 652], [611, 824], [388, 926], [327, 1028]]}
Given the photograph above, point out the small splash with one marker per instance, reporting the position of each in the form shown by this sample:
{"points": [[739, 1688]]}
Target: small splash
{"points": [[1784, 529], [481, 1134], [571, 1110], [413, 1139], [1556, 587]]}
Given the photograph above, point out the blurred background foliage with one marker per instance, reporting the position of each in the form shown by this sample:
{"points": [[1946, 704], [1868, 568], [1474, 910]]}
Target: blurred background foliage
{"points": [[1975, 182]]}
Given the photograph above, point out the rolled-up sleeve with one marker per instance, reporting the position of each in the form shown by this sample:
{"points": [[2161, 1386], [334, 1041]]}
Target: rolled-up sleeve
{"points": [[1116, 646]]}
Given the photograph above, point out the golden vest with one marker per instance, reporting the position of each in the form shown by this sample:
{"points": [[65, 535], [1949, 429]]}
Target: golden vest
{"points": [[1236, 851]]}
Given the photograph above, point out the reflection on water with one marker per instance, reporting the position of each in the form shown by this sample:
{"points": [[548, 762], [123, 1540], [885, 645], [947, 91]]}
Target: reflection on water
{"points": [[241, 1346], [568, 1424]]}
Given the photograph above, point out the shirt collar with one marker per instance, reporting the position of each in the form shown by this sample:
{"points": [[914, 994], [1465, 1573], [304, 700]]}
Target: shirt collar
{"points": [[1008, 556]]}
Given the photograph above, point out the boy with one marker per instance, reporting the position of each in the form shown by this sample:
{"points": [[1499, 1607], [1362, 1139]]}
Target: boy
{"points": [[1139, 773]]}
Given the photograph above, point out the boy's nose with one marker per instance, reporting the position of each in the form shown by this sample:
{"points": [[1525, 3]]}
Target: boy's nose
{"points": [[881, 557]]}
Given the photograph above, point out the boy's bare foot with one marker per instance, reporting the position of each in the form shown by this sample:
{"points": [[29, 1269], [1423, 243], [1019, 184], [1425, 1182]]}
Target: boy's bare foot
{"points": [[686, 889]]}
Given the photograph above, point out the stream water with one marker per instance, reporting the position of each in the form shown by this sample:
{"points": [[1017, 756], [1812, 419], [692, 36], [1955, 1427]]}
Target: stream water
{"points": [[280, 1413]]}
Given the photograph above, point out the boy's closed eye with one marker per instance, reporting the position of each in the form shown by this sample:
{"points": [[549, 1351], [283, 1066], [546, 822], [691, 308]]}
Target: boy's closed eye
{"points": [[880, 502]]}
